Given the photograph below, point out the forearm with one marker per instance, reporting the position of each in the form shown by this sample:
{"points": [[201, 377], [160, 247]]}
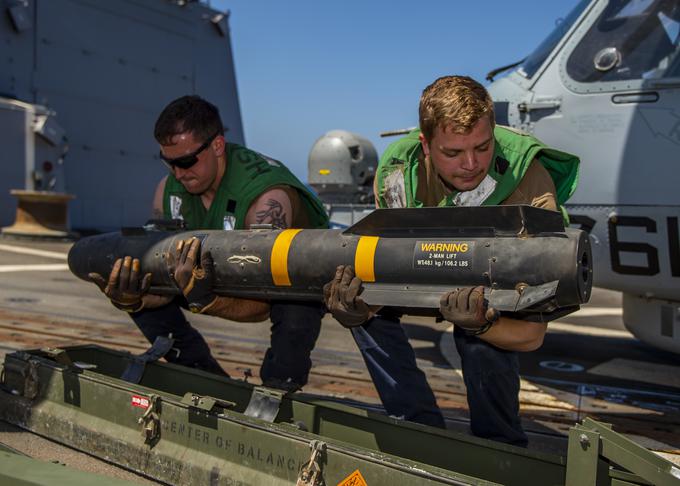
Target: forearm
{"points": [[241, 310], [515, 335], [152, 301]]}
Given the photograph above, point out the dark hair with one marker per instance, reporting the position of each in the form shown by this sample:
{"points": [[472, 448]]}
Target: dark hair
{"points": [[188, 114]]}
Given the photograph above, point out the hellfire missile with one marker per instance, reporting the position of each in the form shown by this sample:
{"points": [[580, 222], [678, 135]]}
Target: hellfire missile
{"points": [[407, 258]]}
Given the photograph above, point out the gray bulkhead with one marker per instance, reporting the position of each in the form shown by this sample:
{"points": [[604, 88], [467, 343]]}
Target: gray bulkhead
{"points": [[105, 70]]}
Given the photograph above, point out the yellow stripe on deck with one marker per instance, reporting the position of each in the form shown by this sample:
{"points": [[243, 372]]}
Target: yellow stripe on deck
{"points": [[364, 258], [279, 259]]}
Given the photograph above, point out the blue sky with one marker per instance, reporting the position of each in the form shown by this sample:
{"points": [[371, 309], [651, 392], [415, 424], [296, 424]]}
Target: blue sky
{"points": [[305, 67]]}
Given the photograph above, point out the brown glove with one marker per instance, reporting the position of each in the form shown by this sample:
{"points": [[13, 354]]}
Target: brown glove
{"points": [[468, 309], [341, 297], [125, 287], [196, 283]]}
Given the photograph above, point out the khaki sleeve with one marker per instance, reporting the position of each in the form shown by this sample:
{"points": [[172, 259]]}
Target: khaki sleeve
{"points": [[536, 189], [240, 310]]}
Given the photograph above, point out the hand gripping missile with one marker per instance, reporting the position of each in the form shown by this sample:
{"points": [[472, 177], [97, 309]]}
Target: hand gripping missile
{"points": [[407, 258]]}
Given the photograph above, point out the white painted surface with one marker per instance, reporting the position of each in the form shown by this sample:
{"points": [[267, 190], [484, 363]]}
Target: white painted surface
{"points": [[44, 267], [33, 251]]}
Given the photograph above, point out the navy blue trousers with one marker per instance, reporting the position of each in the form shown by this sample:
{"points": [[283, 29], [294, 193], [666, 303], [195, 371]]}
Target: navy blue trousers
{"points": [[491, 376], [295, 328], [190, 348], [391, 362]]}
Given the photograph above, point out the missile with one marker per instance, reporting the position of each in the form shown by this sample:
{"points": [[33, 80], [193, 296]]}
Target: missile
{"points": [[407, 258]]}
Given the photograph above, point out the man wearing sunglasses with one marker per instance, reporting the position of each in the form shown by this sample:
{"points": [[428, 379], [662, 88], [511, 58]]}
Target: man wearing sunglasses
{"points": [[213, 184]]}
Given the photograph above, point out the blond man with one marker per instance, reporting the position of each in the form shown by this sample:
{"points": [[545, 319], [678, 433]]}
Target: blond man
{"points": [[459, 157]]}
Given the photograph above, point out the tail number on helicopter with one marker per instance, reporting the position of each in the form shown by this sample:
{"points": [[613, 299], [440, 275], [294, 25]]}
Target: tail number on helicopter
{"points": [[616, 246]]}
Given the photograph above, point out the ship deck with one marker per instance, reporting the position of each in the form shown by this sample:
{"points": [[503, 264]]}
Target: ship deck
{"points": [[589, 365]]}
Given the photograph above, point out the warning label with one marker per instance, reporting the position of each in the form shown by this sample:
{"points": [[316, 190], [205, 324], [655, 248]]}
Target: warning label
{"points": [[141, 402], [445, 255], [354, 479]]}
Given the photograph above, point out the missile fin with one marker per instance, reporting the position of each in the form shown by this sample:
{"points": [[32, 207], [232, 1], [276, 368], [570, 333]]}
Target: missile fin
{"points": [[482, 221], [415, 296], [537, 294], [513, 301]]}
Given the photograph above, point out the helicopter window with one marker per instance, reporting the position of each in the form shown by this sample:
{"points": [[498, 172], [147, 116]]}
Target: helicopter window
{"points": [[633, 8], [632, 39], [531, 64]]}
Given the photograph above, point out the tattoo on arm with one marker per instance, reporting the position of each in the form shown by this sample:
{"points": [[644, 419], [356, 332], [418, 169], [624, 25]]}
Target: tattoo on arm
{"points": [[156, 214], [273, 215]]}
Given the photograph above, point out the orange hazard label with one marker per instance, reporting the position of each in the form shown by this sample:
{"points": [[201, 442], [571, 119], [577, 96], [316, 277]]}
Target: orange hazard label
{"points": [[141, 402], [354, 479]]}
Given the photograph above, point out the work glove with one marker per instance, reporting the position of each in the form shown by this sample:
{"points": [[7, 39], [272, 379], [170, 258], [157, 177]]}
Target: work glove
{"points": [[467, 309], [342, 300], [126, 286], [196, 283]]}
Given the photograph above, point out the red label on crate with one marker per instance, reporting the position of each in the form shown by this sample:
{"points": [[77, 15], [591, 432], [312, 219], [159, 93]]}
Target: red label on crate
{"points": [[141, 402]]}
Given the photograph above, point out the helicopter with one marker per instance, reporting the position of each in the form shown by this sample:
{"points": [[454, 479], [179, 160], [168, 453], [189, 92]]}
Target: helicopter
{"points": [[605, 85]]}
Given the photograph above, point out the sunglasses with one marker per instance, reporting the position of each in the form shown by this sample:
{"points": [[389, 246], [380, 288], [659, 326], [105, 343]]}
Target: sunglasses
{"points": [[189, 160]]}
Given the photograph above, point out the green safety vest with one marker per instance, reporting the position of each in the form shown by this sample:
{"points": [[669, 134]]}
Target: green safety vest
{"points": [[248, 175], [514, 152]]}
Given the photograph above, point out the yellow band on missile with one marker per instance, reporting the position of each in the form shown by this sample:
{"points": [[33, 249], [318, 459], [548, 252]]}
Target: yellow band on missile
{"points": [[279, 259], [364, 258]]}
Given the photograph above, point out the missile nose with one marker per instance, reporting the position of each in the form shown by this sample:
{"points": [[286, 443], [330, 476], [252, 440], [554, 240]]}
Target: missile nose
{"points": [[77, 259], [71, 259], [92, 254]]}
